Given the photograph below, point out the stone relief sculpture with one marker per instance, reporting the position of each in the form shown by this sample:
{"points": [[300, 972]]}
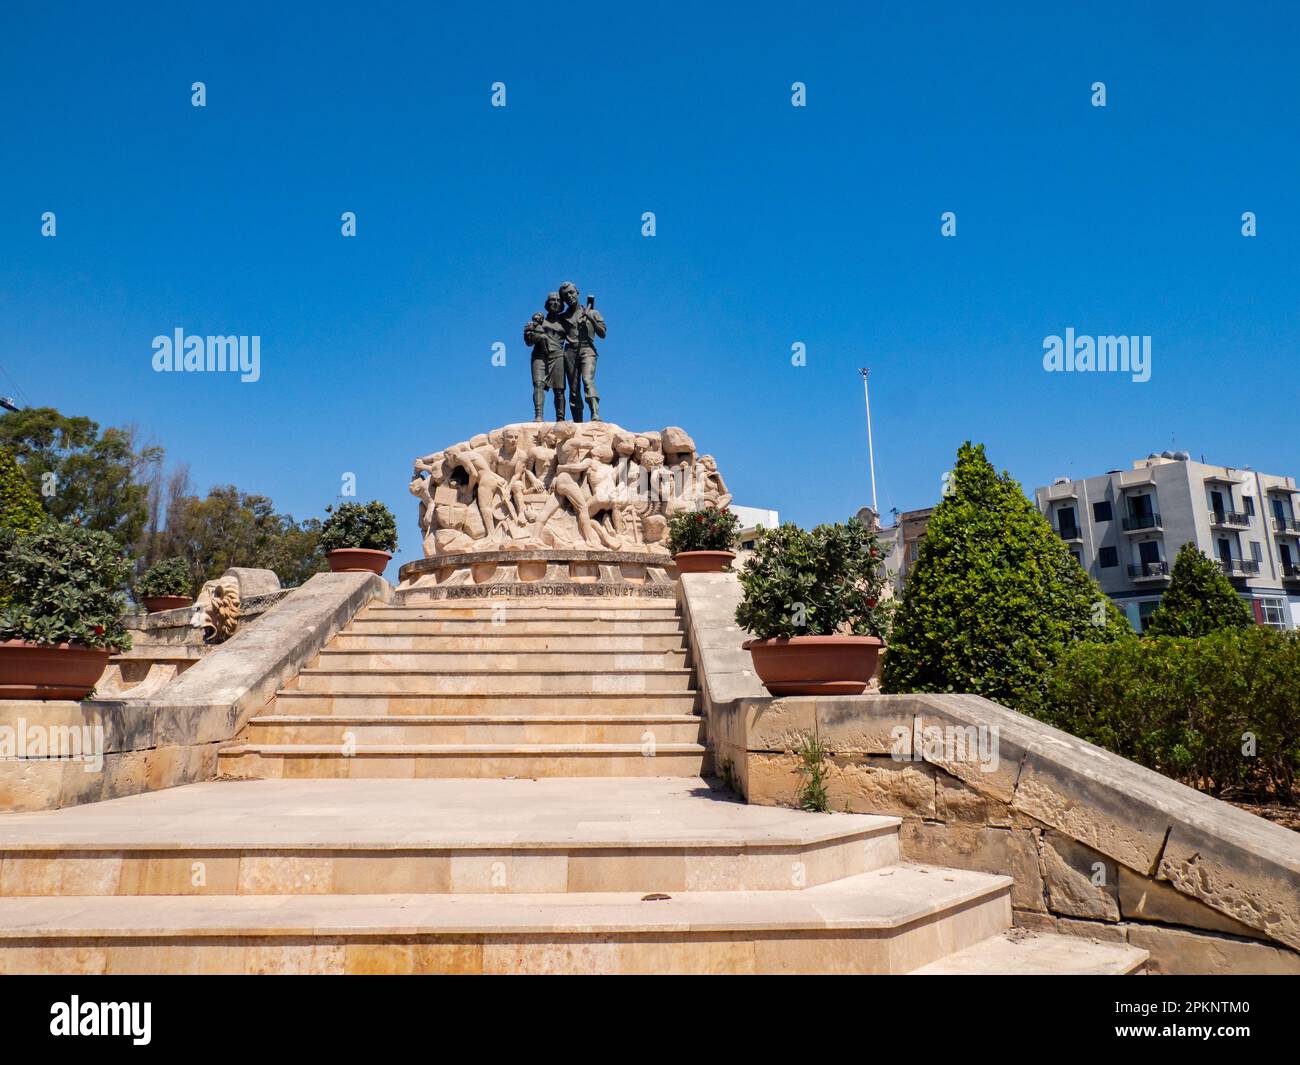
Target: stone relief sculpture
{"points": [[563, 342], [561, 485]]}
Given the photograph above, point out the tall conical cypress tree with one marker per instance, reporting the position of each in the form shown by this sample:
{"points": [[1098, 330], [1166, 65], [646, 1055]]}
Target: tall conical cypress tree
{"points": [[1200, 599], [995, 596]]}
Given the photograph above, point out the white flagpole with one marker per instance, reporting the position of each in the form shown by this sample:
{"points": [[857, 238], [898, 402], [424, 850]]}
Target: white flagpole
{"points": [[871, 454]]}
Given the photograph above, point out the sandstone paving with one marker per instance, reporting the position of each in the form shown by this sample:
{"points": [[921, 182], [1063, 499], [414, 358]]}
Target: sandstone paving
{"points": [[664, 812]]}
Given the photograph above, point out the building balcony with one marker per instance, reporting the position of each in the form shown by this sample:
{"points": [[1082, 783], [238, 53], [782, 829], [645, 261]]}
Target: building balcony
{"points": [[1290, 571], [1231, 519], [1286, 526], [1149, 571], [1141, 522], [1071, 532], [1239, 567]]}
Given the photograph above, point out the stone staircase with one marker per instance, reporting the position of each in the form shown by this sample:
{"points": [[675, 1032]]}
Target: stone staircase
{"points": [[510, 788], [567, 689]]}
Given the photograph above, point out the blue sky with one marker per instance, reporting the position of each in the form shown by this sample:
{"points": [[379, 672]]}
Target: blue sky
{"points": [[776, 225]]}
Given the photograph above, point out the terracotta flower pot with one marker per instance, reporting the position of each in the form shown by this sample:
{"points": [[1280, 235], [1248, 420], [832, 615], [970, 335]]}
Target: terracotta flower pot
{"points": [[357, 560], [703, 561], [49, 671], [815, 665], [154, 603]]}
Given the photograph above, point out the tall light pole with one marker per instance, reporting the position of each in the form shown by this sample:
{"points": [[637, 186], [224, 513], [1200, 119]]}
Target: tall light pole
{"points": [[871, 454]]}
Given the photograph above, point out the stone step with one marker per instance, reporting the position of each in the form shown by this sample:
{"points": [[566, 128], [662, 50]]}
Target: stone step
{"points": [[368, 626], [1025, 953], [430, 837], [567, 643], [414, 761], [890, 920], [451, 729], [498, 661], [505, 611], [485, 704], [536, 682]]}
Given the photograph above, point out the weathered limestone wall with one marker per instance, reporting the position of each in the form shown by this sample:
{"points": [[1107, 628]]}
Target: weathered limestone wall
{"points": [[173, 736], [1097, 845]]}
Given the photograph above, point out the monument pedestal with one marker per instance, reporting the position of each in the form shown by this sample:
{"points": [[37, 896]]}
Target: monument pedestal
{"points": [[540, 573]]}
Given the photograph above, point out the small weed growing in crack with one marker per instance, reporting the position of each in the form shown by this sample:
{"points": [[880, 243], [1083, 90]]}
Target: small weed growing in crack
{"points": [[812, 768]]}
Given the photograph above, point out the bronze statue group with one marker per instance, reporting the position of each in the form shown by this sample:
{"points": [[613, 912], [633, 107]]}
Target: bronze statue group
{"points": [[564, 353]]}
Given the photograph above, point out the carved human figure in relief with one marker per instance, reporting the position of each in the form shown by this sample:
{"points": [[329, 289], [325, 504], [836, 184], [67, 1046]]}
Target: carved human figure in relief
{"points": [[509, 462], [602, 494], [488, 486], [568, 485], [710, 488]]}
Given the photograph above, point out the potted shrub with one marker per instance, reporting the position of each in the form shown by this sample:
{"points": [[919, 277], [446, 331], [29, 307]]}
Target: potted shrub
{"points": [[358, 537], [165, 585], [810, 599], [703, 541], [64, 615]]}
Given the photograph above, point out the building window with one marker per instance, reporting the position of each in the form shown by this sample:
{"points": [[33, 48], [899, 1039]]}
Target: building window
{"points": [[1107, 557], [1066, 523], [1249, 503], [1101, 511], [1256, 551], [1273, 614], [1077, 557], [1145, 610]]}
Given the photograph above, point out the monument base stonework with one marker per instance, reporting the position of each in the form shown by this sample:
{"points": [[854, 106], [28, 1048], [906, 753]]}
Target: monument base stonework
{"points": [[541, 574]]}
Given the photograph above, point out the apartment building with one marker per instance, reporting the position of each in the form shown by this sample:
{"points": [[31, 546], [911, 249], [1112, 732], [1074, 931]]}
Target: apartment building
{"points": [[1125, 527], [901, 542]]}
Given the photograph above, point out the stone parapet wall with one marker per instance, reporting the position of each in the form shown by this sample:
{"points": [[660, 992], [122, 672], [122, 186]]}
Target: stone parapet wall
{"points": [[173, 736], [1097, 845]]}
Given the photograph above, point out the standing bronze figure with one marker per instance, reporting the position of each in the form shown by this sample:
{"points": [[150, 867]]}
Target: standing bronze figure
{"points": [[582, 325], [564, 353], [545, 334]]}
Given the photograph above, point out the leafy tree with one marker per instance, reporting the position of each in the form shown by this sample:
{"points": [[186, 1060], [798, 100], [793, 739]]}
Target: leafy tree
{"points": [[1200, 599], [95, 474], [233, 528], [995, 597], [20, 506]]}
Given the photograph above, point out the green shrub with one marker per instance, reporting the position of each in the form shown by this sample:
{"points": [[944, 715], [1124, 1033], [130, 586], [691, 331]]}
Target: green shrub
{"points": [[171, 576], [995, 597], [1189, 707], [818, 583], [368, 525], [66, 583], [20, 506], [707, 529], [1200, 599]]}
